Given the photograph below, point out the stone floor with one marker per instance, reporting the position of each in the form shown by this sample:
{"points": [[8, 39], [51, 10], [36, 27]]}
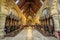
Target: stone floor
{"points": [[29, 34]]}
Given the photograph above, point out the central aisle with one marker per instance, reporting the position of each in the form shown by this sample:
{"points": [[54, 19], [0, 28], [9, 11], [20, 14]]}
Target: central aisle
{"points": [[29, 34]]}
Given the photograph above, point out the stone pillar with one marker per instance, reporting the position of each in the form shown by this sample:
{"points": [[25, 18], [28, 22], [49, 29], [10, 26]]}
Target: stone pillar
{"points": [[2, 18], [54, 13], [2, 24]]}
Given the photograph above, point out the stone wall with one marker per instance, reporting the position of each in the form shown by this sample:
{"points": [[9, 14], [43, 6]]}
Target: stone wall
{"points": [[53, 7], [6, 7]]}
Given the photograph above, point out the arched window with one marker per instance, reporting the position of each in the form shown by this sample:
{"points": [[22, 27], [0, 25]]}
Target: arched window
{"points": [[59, 6], [45, 12]]}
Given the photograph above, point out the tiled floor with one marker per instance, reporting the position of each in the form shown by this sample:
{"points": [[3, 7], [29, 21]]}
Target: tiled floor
{"points": [[33, 35]]}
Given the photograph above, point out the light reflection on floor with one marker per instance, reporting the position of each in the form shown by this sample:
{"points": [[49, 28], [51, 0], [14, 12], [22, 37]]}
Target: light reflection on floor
{"points": [[29, 33]]}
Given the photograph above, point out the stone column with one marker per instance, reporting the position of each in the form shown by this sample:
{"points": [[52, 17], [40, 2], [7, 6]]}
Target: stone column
{"points": [[2, 24], [54, 13], [2, 18]]}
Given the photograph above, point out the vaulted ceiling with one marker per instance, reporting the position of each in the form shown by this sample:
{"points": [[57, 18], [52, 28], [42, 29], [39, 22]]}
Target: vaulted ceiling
{"points": [[29, 7]]}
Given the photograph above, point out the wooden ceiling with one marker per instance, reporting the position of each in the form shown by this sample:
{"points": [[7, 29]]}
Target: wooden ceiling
{"points": [[29, 7]]}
